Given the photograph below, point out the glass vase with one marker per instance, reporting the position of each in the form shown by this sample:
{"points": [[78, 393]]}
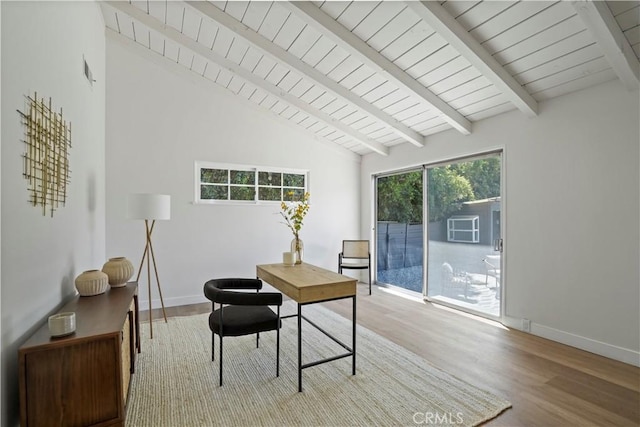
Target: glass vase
{"points": [[297, 247]]}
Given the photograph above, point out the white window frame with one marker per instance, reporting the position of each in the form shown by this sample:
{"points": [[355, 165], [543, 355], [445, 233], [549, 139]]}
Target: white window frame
{"points": [[199, 165]]}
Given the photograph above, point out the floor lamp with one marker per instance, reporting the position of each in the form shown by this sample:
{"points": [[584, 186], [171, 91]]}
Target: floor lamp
{"points": [[150, 207]]}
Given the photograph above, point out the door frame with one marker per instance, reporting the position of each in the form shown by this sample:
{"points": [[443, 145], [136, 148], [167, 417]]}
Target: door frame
{"points": [[503, 220]]}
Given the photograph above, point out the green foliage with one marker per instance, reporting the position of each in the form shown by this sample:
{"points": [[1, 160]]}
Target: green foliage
{"points": [[400, 196], [294, 213], [483, 175], [447, 191]]}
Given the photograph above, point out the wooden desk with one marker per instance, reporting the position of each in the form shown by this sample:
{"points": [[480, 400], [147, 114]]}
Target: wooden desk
{"points": [[307, 284]]}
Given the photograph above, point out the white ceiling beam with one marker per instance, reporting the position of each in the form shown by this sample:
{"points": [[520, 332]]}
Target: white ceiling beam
{"points": [[201, 50], [605, 29], [348, 41], [320, 79], [448, 28]]}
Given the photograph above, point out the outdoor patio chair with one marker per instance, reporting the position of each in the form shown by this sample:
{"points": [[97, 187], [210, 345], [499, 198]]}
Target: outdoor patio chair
{"points": [[492, 263], [454, 281]]}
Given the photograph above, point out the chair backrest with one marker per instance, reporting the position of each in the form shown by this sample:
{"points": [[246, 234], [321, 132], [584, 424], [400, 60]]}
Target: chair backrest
{"points": [[447, 272], [355, 249], [218, 291]]}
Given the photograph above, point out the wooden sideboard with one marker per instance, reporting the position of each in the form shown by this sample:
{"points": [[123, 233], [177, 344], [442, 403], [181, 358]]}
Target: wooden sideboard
{"points": [[82, 379]]}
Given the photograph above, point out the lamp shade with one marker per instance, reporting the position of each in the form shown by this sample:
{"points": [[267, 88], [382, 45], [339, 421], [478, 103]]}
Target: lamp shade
{"points": [[149, 206]]}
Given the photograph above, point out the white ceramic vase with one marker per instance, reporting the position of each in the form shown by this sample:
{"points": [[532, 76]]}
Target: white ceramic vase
{"points": [[119, 270], [91, 282]]}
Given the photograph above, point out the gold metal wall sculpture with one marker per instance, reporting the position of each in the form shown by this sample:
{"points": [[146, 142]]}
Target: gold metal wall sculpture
{"points": [[46, 157]]}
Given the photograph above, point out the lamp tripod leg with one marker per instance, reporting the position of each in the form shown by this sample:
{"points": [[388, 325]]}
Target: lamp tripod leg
{"points": [[155, 268], [146, 252]]}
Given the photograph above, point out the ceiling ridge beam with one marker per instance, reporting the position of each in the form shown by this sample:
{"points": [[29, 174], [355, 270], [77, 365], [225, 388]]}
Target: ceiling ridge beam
{"points": [[459, 38], [280, 55], [348, 41], [201, 50], [602, 25]]}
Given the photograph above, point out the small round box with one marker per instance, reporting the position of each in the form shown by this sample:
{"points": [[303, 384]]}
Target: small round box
{"points": [[62, 324]]}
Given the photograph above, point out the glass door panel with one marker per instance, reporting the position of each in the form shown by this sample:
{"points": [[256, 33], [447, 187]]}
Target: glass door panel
{"points": [[463, 234], [399, 230]]}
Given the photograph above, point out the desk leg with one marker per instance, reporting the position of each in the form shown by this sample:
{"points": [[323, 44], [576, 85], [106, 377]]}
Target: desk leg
{"points": [[354, 336], [299, 348]]}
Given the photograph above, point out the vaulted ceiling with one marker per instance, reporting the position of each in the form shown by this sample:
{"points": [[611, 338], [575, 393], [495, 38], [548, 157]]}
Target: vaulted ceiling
{"points": [[370, 75]]}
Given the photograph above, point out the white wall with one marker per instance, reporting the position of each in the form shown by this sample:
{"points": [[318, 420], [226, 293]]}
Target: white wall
{"points": [[43, 44], [159, 122], [571, 211]]}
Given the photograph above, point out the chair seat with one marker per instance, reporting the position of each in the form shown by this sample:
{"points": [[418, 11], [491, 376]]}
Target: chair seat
{"points": [[354, 265], [244, 320]]}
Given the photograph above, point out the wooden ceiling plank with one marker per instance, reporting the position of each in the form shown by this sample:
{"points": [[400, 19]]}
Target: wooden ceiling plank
{"points": [[510, 17], [444, 71], [447, 27], [434, 61], [633, 35], [355, 13], [191, 23], [273, 22], [579, 56], [347, 40], [419, 38], [256, 13], [482, 13], [230, 67], [318, 51], [395, 28], [560, 15], [543, 39], [458, 7], [603, 26], [456, 80], [574, 85], [592, 67], [618, 7], [629, 19], [491, 111], [313, 74], [551, 52], [377, 19], [467, 88], [475, 96]]}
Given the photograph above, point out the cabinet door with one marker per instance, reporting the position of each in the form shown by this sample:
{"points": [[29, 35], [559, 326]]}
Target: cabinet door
{"points": [[73, 385], [126, 351]]}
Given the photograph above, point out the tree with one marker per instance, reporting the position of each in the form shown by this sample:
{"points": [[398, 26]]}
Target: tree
{"points": [[447, 191], [483, 175], [400, 197]]}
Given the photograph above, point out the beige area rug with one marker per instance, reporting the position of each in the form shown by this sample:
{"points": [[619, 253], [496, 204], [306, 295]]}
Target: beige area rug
{"points": [[176, 383]]}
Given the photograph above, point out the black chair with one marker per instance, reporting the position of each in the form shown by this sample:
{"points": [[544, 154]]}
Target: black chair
{"points": [[355, 255], [242, 313]]}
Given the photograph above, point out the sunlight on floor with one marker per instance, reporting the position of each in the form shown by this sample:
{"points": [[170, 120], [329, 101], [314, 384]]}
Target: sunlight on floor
{"points": [[412, 296]]}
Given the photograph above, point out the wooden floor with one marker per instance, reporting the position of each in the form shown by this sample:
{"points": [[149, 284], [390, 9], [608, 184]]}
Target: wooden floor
{"points": [[549, 384]]}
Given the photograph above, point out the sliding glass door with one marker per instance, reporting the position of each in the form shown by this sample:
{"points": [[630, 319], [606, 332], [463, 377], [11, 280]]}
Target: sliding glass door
{"points": [[453, 210], [463, 238], [399, 230]]}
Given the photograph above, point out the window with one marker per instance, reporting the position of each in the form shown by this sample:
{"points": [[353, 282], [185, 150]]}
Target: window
{"points": [[463, 229], [217, 183]]}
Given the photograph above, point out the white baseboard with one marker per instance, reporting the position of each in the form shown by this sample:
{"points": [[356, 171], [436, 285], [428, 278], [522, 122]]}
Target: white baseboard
{"points": [[611, 351], [173, 302]]}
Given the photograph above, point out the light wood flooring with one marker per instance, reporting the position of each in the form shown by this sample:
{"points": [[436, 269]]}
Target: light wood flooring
{"points": [[549, 384]]}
